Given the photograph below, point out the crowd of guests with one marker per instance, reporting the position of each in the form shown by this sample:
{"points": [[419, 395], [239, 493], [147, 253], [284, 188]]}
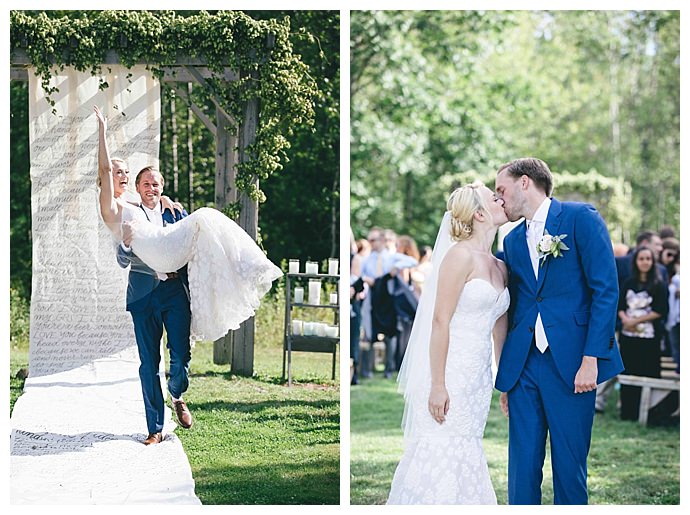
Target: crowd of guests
{"points": [[387, 276], [648, 322]]}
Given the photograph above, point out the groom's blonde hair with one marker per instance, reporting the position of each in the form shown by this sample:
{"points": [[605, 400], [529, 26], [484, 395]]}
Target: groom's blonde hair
{"points": [[463, 203]]}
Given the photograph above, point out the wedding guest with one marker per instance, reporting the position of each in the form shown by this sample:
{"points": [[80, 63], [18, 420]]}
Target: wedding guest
{"points": [[363, 248], [356, 296], [649, 239], [407, 246], [422, 270], [669, 248], [404, 297], [620, 249], [667, 232], [391, 238], [642, 304], [376, 272], [673, 319]]}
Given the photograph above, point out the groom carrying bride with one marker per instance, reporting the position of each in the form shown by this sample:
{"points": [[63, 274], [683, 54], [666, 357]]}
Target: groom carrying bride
{"points": [[560, 342], [156, 300]]}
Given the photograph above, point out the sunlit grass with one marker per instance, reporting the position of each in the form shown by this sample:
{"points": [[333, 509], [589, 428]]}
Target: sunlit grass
{"points": [[628, 464], [254, 440]]}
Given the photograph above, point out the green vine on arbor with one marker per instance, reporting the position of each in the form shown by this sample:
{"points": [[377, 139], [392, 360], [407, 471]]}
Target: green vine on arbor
{"points": [[260, 50]]}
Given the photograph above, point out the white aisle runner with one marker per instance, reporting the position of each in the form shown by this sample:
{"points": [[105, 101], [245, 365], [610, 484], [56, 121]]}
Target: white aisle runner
{"points": [[77, 429]]}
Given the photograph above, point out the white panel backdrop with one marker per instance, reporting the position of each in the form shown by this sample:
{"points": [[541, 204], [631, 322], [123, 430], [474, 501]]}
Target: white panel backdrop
{"points": [[77, 428]]}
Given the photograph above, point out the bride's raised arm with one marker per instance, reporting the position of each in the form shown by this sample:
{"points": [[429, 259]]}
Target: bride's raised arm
{"points": [[110, 210]]}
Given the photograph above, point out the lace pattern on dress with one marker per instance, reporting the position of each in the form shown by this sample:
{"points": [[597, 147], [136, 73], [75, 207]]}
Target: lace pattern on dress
{"points": [[445, 463]]}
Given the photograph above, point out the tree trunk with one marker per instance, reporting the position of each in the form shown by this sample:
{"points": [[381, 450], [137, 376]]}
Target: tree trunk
{"points": [[176, 168], [190, 151], [335, 219]]}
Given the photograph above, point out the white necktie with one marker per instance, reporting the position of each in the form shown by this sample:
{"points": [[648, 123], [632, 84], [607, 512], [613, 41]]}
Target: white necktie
{"points": [[532, 239]]}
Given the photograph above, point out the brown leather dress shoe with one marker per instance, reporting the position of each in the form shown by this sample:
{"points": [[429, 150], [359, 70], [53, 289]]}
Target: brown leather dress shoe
{"points": [[184, 416], [154, 438]]}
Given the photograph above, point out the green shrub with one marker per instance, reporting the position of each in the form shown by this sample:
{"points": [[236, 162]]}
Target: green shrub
{"points": [[19, 320]]}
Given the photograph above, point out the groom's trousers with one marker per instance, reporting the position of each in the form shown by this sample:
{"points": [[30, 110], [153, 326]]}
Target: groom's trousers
{"points": [[542, 403], [168, 308]]}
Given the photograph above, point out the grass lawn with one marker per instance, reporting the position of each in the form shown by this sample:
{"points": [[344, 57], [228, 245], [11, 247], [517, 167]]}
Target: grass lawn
{"points": [[628, 464], [254, 440]]}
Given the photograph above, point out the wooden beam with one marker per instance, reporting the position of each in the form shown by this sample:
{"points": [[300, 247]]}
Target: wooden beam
{"points": [[202, 82], [197, 111], [173, 74], [177, 72]]}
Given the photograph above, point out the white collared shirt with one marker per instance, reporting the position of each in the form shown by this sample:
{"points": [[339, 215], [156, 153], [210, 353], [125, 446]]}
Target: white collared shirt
{"points": [[155, 216], [537, 225]]}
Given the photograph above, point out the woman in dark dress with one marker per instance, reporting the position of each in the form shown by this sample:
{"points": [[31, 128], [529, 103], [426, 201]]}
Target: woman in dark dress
{"points": [[642, 304]]}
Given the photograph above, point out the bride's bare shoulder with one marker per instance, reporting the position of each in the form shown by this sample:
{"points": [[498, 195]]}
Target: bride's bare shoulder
{"points": [[459, 255]]}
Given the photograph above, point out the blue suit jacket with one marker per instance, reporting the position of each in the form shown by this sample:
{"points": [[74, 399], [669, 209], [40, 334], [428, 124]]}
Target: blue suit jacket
{"points": [[576, 294], [142, 279]]}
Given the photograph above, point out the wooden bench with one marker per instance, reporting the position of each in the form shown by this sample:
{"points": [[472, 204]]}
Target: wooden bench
{"points": [[668, 368], [648, 385]]}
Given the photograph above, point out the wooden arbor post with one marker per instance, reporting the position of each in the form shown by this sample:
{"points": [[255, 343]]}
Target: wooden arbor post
{"points": [[237, 347]]}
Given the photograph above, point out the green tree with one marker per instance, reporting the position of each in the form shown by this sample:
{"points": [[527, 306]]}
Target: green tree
{"points": [[593, 93], [302, 218]]}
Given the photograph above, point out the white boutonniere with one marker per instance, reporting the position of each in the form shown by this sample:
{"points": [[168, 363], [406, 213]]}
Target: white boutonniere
{"points": [[550, 246]]}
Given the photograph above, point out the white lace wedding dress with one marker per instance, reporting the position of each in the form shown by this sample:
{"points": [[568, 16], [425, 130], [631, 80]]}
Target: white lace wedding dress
{"points": [[445, 463], [228, 272]]}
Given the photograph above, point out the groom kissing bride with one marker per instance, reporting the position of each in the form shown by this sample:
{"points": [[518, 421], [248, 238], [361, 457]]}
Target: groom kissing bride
{"points": [[553, 335]]}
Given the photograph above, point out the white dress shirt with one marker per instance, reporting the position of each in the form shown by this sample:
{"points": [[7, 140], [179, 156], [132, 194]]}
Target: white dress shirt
{"points": [[155, 216], [535, 230]]}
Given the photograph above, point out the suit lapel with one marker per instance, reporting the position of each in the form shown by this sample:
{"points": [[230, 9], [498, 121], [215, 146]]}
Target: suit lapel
{"points": [[522, 257], [553, 222]]}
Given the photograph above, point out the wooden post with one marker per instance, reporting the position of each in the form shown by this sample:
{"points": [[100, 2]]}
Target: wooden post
{"points": [[225, 193], [243, 338]]}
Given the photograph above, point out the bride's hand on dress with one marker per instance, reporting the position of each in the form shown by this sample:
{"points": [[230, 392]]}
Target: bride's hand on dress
{"points": [[503, 400], [439, 402]]}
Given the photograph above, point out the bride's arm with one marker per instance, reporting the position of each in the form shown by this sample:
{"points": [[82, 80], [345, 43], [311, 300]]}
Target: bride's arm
{"points": [[453, 272], [109, 207], [499, 333]]}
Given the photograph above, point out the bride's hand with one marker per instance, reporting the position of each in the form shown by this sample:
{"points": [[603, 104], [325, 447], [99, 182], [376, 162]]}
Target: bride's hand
{"points": [[439, 402], [168, 203], [102, 122], [127, 233]]}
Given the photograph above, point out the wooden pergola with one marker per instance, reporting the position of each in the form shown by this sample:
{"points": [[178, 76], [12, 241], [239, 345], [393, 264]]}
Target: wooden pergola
{"points": [[237, 347]]}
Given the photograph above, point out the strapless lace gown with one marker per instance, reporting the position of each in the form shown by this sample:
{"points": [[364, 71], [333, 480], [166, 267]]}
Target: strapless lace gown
{"points": [[445, 463], [228, 272]]}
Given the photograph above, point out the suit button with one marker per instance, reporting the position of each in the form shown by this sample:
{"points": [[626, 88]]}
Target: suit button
{"points": [[531, 329], [538, 299]]}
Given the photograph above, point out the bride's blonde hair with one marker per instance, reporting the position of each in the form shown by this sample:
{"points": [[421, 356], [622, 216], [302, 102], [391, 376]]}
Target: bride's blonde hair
{"points": [[463, 203]]}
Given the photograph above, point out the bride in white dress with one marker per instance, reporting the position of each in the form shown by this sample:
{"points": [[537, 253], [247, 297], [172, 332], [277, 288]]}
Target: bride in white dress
{"points": [[228, 272], [446, 373]]}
